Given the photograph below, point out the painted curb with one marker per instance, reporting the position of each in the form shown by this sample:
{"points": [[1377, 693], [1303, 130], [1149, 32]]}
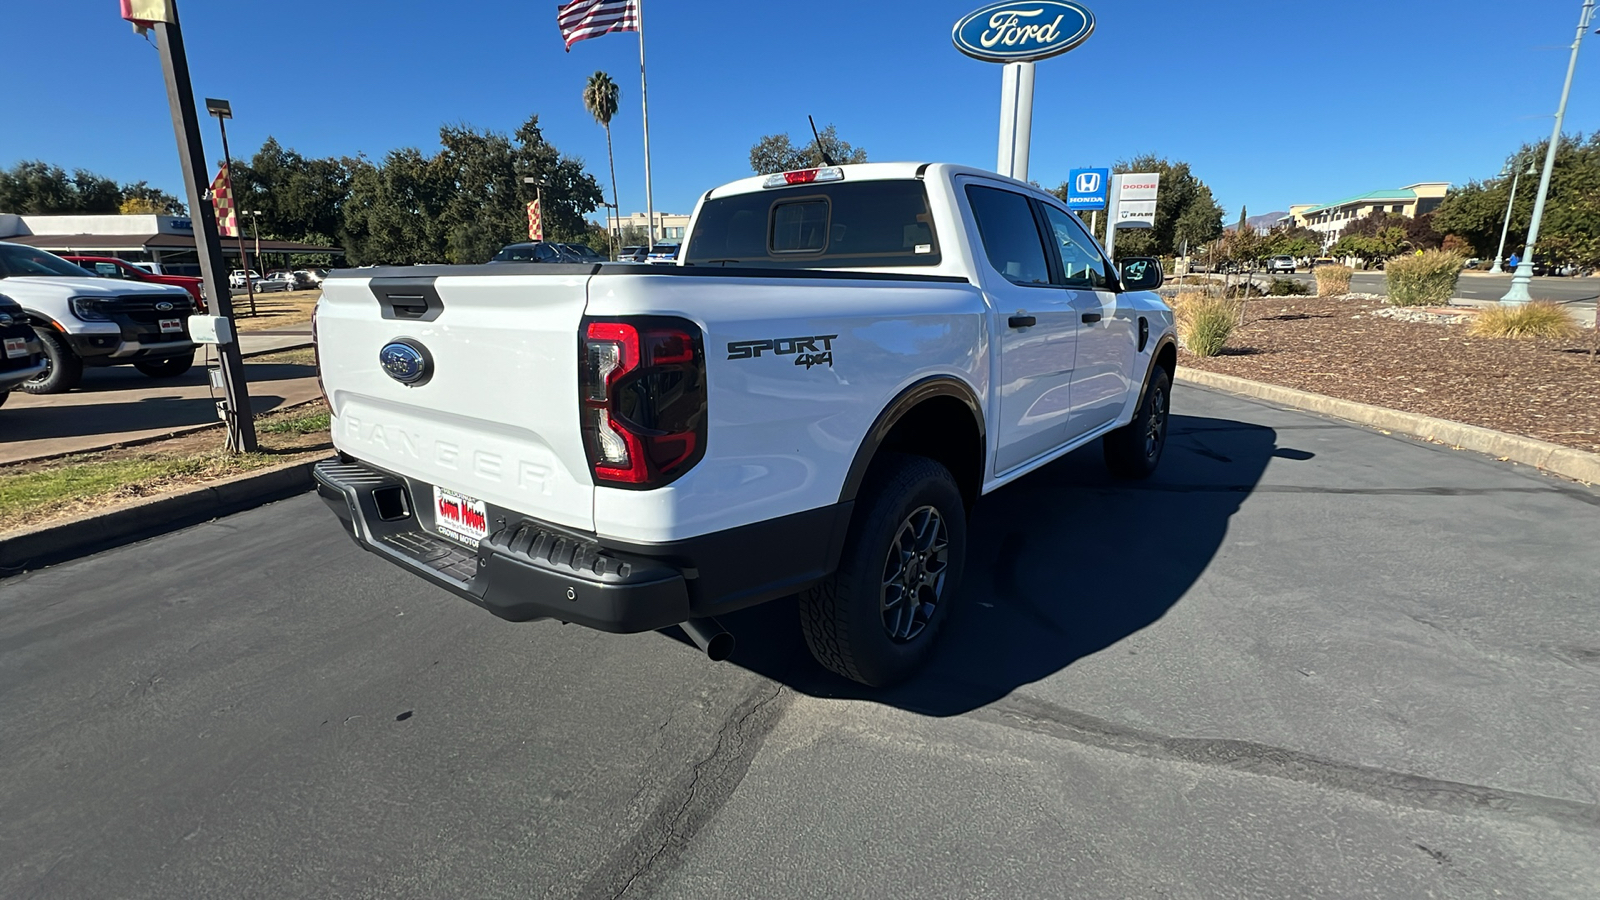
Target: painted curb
{"points": [[1567, 462], [94, 532]]}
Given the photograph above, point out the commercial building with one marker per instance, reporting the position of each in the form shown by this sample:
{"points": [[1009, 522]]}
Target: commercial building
{"points": [[168, 240], [1331, 219], [670, 227]]}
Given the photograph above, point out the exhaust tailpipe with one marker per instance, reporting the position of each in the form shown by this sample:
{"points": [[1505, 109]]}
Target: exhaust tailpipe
{"points": [[712, 639]]}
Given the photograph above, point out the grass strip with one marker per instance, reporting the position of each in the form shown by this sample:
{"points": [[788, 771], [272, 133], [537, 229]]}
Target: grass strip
{"points": [[29, 497]]}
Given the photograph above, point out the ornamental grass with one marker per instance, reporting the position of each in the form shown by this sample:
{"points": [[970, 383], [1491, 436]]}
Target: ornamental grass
{"points": [[1205, 322], [1538, 319], [1424, 279], [1333, 281]]}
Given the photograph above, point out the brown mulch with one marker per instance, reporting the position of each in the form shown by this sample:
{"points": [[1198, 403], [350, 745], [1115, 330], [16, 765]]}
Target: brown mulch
{"points": [[1545, 389]]}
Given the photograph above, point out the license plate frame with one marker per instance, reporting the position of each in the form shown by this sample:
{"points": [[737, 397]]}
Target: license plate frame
{"points": [[16, 348], [460, 517], [170, 326]]}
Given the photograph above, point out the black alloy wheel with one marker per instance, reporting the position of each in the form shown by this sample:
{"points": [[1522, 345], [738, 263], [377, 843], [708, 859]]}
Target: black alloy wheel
{"points": [[914, 574]]}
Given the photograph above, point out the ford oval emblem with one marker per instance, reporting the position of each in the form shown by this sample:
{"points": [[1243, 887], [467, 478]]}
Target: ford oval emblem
{"points": [[1020, 31], [406, 362], [5, 319], [164, 306]]}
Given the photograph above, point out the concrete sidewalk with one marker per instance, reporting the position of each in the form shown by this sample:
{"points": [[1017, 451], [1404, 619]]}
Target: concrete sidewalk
{"points": [[258, 343]]}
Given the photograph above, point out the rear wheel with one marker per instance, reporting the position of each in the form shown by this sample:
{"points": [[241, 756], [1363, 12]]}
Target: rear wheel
{"points": [[63, 370], [876, 619], [171, 367], [1134, 450]]}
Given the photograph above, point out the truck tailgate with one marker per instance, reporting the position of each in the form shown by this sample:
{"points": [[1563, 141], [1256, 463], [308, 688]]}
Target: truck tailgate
{"points": [[495, 416]]}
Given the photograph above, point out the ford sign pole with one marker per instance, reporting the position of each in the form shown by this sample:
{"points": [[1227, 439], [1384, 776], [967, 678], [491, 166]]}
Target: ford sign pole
{"points": [[1016, 119], [1018, 33]]}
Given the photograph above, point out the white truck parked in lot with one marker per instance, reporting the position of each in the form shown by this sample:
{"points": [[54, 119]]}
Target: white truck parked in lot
{"points": [[842, 361], [83, 320]]}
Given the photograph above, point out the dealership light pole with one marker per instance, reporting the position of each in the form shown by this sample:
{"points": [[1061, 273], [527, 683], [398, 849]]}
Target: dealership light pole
{"points": [[1514, 169], [1519, 284], [235, 405]]}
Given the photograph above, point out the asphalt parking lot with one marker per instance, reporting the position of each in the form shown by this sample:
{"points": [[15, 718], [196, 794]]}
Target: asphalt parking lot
{"points": [[1305, 660]]}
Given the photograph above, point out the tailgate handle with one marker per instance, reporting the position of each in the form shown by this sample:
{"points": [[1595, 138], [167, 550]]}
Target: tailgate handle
{"points": [[411, 299]]}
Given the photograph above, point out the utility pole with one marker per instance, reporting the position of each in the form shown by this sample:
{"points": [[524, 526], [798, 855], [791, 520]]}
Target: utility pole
{"points": [[1519, 283], [235, 405], [1506, 227]]}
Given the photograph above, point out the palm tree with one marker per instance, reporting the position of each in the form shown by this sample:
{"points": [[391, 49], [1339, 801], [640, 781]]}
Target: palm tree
{"points": [[600, 97]]}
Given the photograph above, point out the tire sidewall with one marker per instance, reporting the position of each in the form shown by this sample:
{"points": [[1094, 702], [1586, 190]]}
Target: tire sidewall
{"points": [[65, 367], [880, 659]]}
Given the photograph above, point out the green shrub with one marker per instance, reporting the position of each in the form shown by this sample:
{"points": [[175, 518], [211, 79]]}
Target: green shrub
{"points": [[1205, 322], [1245, 289], [1287, 287], [1333, 281], [1424, 279], [1539, 319]]}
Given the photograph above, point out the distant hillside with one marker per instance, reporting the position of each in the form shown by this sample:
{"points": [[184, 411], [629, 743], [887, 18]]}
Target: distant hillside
{"points": [[1265, 220]]}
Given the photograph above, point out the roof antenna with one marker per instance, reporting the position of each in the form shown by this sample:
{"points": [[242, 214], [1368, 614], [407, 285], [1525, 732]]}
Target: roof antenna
{"points": [[826, 159]]}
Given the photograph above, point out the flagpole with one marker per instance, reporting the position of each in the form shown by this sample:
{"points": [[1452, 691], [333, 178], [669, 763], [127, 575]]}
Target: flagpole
{"points": [[644, 99]]}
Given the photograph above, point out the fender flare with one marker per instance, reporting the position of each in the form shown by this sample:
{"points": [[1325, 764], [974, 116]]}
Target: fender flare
{"points": [[907, 400], [1166, 340]]}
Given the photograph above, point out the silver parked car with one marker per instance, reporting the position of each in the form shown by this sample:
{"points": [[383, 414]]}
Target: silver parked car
{"points": [[1281, 264]]}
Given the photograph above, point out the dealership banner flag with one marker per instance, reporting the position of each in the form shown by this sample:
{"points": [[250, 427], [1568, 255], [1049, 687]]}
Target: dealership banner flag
{"points": [[535, 222], [144, 13], [584, 19], [222, 202]]}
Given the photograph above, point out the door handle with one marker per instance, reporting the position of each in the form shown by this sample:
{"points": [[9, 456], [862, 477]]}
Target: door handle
{"points": [[1022, 321], [1090, 318]]}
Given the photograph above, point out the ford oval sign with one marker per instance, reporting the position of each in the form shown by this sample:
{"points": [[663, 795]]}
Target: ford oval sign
{"points": [[1023, 31], [406, 362]]}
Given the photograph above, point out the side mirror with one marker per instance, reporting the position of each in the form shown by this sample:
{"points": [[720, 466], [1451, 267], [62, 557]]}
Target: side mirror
{"points": [[1141, 273]]}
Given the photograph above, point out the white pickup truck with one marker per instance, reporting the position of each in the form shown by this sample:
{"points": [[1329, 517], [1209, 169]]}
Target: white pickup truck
{"points": [[842, 361]]}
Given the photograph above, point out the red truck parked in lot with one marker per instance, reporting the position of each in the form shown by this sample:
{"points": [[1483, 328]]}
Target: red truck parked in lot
{"points": [[111, 267]]}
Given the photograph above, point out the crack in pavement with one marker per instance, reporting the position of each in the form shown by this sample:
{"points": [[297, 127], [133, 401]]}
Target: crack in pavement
{"points": [[694, 799], [1386, 786]]}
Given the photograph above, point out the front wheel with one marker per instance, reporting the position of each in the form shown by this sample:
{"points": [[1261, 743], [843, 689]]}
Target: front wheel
{"points": [[1134, 450], [171, 367], [63, 370], [876, 619]]}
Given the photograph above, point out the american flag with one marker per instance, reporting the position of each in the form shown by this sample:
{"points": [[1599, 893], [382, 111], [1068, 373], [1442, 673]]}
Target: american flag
{"points": [[584, 19]]}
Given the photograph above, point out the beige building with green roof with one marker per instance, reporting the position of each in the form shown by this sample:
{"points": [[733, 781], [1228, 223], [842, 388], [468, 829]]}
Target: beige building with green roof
{"points": [[1331, 219]]}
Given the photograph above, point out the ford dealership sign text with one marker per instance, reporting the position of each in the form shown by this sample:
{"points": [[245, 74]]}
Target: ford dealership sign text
{"points": [[1020, 31]]}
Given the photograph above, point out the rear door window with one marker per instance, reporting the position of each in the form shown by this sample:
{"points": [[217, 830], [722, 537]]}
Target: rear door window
{"points": [[838, 225], [1010, 234]]}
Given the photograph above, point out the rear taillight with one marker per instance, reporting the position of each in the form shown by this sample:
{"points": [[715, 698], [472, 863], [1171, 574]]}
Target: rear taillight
{"points": [[642, 387]]}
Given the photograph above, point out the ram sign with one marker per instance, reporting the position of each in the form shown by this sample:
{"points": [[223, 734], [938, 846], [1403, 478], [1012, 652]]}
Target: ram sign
{"points": [[1021, 32]]}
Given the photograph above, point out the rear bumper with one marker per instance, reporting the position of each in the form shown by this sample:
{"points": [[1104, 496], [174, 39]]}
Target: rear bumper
{"points": [[526, 569]]}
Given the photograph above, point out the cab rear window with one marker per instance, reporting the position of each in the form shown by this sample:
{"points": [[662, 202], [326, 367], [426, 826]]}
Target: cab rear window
{"points": [[841, 225]]}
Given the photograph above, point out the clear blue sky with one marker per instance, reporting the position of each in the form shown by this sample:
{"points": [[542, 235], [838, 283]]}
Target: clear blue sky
{"points": [[1272, 102]]}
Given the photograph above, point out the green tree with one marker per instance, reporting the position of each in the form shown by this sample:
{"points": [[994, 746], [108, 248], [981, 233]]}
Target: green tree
{"points": [[1292, 240], [1570, 232], [152, 199], [34, 187], [776, 153], [600, 98]]}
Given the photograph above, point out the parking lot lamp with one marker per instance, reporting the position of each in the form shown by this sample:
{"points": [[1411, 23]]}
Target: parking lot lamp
{"points": [[1519, 283], [1514, 169]]}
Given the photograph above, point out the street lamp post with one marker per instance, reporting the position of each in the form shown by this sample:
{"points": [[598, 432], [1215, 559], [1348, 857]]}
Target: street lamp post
{"points": [[612, 235], [1519, 283], [223, 110], [1518, 173]]}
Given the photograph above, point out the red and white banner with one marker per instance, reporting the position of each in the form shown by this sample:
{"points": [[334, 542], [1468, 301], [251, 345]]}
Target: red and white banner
{"points": [[222, 202], [535, 222], [584, 19]]}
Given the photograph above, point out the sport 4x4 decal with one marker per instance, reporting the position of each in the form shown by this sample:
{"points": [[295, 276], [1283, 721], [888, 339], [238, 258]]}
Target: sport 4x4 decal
{"points": [[805, 350]]}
